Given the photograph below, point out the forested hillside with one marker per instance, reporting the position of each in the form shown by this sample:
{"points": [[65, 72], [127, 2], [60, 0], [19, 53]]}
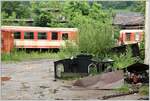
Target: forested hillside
{"points": [[62, 13]]}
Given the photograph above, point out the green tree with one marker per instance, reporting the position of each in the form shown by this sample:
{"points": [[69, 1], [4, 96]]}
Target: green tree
{"points": [[95, 28], [43, 20], [95, 37], [21, 8], [139, 6], [46, 13]]}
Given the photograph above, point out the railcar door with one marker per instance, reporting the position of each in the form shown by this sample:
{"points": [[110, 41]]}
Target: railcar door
{"points": [[7, 41]]}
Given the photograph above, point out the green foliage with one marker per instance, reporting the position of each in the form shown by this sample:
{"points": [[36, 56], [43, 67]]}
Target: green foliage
{"points": [[95, 30], [116, 4], [44, 14], [23, 55], [124, 6], [144, 90], [69, 49], [77, 6], [21, 8], [124, 88], [43, 20], [139, 6], [97, 39], [123, 60]]}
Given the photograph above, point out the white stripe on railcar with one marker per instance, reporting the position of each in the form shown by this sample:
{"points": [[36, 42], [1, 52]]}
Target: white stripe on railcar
{"points": [[38, 43]]}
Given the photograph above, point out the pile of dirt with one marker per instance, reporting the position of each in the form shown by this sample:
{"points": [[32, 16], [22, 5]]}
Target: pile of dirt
{"points": [[108, 80]]}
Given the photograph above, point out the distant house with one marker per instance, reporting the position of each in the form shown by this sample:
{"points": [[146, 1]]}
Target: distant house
{"points": [[129, 20]]}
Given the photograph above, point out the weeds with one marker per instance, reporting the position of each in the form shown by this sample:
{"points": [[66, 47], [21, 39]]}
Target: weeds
{"points": [[70, 49], [123, 60], [23, 55], [124, 89], [144, 90]]}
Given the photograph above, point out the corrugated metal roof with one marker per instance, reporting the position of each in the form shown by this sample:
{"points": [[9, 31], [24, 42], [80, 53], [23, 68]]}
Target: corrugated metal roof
{"points": [[30, 28], [128, 18]]}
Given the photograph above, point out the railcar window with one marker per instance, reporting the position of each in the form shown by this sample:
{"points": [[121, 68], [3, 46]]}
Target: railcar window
{"points": [[137, 37], [42, 35], [54, 35], [17, 35], [65, 36], [28, 35], [128, 36]]}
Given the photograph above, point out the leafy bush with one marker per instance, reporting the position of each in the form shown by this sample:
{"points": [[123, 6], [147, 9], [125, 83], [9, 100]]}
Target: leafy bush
{"points": [[123, 60], [95, 26], [144, 90], [124, 89], [69, 49], [142, 49]]}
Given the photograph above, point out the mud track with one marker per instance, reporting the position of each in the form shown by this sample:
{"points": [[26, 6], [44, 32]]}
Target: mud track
{"points": [[34, 80]]}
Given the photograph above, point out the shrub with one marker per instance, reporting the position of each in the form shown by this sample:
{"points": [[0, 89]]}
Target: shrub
{"points": [[144, 90], [124, 89], [69, 49], [123, 60], [95, 37]]}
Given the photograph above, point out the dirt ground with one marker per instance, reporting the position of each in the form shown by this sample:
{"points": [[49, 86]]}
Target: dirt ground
{"points": [[34, 80]]}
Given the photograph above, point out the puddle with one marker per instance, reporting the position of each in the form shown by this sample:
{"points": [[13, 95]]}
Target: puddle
{"points": [[44, 87]]}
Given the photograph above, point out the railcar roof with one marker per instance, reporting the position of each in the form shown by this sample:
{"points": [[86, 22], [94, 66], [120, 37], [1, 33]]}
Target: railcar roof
{"points": [[132, 30], [30, 28]]}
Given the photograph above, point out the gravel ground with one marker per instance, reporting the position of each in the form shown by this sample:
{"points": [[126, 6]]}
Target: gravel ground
{"points": [[34, 80]]}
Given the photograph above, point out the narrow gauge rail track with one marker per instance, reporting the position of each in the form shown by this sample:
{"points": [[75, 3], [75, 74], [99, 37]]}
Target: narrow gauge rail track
{"points": [[117, 95]]}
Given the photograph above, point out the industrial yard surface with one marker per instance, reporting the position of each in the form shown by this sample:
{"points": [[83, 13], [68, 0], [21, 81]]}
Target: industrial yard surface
{"points": [[34, 80]]}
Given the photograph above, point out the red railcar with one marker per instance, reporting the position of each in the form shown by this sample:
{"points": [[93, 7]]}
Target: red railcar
{"points": [[7, 41], [40, 37], [130, 36]]}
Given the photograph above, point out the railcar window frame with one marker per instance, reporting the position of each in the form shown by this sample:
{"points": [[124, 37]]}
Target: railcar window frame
{"points": [[65, 36], [17, 36], [43, 36], [29, 36], [128, 36], [54, 35], [137, 36]]}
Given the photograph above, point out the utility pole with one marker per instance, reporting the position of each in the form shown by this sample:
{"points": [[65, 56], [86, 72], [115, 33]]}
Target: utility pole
{"points": [[147, 33]]}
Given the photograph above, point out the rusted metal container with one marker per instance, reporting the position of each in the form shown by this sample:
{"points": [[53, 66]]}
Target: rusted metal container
{"points": [[7, 41]]}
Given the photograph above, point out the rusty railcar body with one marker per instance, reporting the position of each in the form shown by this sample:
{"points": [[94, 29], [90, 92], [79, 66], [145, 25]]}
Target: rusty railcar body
{"points": [[7, 41], [40, 37], [130, 36]]}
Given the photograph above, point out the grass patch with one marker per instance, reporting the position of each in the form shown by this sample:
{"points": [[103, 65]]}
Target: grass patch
{"points": [[123, 60], [144, 90], [124, 89], [71, 76], [23, 55]]}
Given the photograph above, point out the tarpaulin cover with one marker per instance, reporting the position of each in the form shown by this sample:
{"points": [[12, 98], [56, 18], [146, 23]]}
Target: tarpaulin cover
{"points": [[138, 67], [102, 81]]}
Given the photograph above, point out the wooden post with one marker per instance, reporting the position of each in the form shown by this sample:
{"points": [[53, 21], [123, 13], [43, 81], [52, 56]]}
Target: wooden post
{"points": [[147, 33]]}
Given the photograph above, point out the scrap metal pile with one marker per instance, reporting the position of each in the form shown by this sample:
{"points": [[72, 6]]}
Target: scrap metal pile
{"points": [[137, 73], [106, 78]]}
